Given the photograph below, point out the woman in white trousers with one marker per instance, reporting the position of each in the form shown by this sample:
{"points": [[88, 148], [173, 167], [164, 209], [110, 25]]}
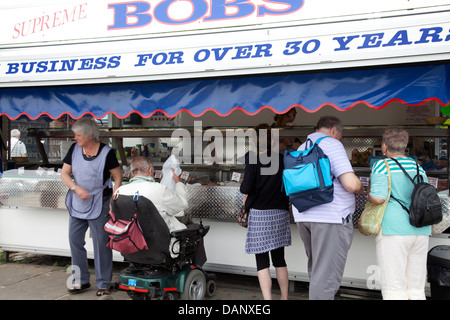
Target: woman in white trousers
{"points": [[401, 248]]}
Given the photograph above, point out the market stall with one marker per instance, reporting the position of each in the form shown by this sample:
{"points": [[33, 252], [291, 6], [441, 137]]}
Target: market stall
{"points": [[227, 66]]}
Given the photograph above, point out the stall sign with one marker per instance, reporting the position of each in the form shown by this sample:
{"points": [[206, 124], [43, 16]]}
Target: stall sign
{"points": [[26, 21], [153, 58], [106, 41]]}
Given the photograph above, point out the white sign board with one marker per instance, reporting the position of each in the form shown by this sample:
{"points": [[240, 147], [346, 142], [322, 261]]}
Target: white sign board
{"points": [[104, 41]]}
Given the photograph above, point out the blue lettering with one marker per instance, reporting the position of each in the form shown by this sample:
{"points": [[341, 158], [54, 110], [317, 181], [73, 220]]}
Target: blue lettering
{"points": [[316, 45], [86, 64], [136, 14], [205, 52], [432, 33], [294, 5], [370, 40], [161, 12], [401, 37], [218, 9], [53, 66], [175, 57], [143, 59], [243, 52], [262, 50], [159, 58], [219, 56], [41, 66], [100, 63], [343, 43], [24, 67], [68, 65], [114, 62], [124, 11], [293, 47], [12, 68]]}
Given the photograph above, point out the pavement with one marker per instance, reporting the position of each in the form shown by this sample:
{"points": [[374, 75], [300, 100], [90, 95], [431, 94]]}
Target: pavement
{"points": [[28, 276], [33, 277]]}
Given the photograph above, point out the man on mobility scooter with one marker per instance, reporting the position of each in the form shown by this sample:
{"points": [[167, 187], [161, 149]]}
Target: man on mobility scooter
{"points": [[167, 261]]}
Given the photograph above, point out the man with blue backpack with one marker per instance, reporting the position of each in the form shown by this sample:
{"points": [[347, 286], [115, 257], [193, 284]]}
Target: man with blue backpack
{"points": [[326, 228]]}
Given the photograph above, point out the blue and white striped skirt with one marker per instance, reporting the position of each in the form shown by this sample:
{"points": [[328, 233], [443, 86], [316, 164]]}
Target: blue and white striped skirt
{"points": [[267, 230]]}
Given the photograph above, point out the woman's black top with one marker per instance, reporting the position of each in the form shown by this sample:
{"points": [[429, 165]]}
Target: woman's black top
{"points": [[264, 191]]}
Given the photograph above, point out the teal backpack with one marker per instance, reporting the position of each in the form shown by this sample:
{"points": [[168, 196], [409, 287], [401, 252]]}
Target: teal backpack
{"points": [[307, 176]]}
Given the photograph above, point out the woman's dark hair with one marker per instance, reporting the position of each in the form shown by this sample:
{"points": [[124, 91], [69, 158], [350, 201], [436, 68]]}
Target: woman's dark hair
{"points": [[267, 147]]}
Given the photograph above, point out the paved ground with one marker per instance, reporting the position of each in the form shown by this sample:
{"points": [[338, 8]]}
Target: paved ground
{"points": [[39, 277], [36, 277]]}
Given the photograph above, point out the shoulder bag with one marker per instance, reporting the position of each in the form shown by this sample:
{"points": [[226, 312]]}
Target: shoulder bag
{"points": [[369, 222]]}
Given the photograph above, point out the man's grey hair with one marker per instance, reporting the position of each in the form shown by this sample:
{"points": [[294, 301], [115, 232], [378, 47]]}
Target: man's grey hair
{"points": [[140, 164], [15, 133], [329, 122], [87, 127]]}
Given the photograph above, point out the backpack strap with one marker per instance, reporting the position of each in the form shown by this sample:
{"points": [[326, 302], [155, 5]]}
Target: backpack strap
{"points": [[404, 171], [309, 144], [418, 176], [320, 139]]}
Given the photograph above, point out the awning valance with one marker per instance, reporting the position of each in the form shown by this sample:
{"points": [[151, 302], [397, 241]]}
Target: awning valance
{"points": [[375, 87]]}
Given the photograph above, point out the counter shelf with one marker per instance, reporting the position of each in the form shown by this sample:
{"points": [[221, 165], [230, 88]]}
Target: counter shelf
{"points": [[220, 203]]}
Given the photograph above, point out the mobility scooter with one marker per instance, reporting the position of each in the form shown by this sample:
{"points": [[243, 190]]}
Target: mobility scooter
{"points": [[153, 273]]}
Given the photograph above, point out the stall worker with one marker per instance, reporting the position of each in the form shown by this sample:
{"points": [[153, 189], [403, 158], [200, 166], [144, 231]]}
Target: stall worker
{"points": [[92, 164], [18, 148]]}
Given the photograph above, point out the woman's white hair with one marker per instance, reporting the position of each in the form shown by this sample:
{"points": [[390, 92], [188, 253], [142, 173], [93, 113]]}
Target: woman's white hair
{"points": [[87, 127], [396, 139]]}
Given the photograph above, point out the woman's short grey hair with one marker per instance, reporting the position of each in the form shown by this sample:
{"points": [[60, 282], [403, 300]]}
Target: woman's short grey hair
{"points": [[87, 127], [396, 140], [140, 164]]}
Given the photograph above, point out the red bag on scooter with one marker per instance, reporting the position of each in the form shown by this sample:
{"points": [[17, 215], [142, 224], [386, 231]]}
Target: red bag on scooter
{"points": [[125, 236]]}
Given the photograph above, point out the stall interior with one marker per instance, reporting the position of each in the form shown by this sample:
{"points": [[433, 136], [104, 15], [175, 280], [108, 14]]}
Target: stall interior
{"points": [[49, 139]]}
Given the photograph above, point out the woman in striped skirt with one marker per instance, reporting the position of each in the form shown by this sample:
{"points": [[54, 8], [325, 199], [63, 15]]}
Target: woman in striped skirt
{"points": [[269, 220]]}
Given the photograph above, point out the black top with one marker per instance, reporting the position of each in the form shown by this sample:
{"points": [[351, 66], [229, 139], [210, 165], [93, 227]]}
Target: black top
{"points": [[264, 191]]}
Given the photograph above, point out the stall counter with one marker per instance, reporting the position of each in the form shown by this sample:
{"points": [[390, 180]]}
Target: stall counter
{"points": [[33, 218]]}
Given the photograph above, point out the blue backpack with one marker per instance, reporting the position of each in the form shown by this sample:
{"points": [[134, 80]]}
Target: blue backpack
{"points": [[307, 176]]}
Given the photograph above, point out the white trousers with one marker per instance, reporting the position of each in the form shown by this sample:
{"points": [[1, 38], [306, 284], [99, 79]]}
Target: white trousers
{"points": [[403, 266]]}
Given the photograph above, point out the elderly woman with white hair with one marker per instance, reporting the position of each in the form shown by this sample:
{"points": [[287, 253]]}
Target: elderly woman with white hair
{"points": [[401, 248], [92, 164]]}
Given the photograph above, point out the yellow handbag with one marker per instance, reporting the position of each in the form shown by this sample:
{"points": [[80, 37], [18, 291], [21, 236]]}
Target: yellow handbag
{"points": [[369, 222]]}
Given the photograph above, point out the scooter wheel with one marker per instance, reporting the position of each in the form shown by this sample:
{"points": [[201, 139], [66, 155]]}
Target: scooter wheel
{"points": [[211, 288], [195, 286]]}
